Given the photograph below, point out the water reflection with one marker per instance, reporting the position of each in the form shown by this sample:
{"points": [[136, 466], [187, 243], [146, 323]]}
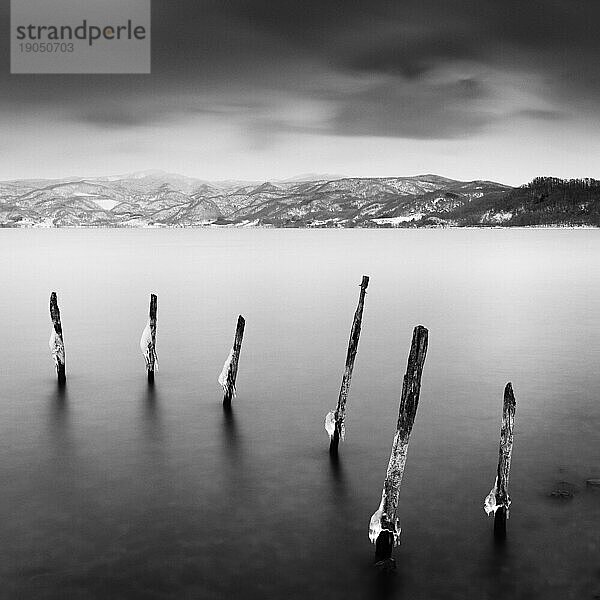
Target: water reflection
{"points": [[386, 584], [337, 476], [231, 440], [58, 420], [498, 570], [150, 400], [58, 394]]}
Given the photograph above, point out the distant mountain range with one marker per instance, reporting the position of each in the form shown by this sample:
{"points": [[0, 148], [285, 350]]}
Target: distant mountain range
{"points": [[156, 199]]}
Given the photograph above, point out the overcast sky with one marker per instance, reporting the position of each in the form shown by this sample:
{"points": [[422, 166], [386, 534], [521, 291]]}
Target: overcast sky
{"points": [[268, 89]]}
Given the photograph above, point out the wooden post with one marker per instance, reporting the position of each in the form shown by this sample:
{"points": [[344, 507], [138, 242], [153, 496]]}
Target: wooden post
{"points": [[148, 340], [384, 528], [57, 346], [230, 368], [334, 421], [498, 500]]}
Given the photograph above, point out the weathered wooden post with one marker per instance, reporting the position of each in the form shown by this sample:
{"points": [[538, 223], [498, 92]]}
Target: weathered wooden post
{"points": [[148, 340], [57, 346], [498, 500], [384, 528], [230, 368], [334, 420]]}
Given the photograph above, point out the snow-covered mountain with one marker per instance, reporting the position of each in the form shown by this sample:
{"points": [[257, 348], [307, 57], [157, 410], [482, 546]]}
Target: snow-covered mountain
{"points": [[154, 198]]}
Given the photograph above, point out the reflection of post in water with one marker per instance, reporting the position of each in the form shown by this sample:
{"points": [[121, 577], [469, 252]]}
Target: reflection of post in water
{"points": [[149, 400], [152, 429], [338, 479], [230, 432], [497, 566], [151, 404], [58, 425], [498, 500], [337, 469], [58, 400], [384, 528], [386, 588]]}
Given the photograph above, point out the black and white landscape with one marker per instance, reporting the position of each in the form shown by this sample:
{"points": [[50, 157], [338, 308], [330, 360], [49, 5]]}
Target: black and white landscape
{"points": [[376, 380], [165, 200]]}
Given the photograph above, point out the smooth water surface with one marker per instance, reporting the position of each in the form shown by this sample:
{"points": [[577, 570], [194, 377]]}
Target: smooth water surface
{"points": [[111, 489]]}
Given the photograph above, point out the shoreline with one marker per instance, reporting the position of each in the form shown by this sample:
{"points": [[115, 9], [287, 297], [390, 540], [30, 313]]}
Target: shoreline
{"points": [[242, 226]]}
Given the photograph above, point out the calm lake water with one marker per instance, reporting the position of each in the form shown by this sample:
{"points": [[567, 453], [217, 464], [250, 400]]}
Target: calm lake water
{"points": [[110, 489]]}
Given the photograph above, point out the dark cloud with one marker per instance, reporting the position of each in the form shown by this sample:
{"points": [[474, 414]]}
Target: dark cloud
{"points": [[410, 68], [117, 116], [415, 111], [541, 115], [130, 113], [408, 59]]}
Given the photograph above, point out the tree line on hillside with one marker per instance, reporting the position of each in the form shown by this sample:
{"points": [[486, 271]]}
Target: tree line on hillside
{"points": [[543, 201]]}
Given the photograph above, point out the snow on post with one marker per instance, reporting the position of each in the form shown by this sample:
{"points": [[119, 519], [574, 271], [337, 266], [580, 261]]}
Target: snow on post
{"points": [[148, 340], [57, 346], [384, 528], [229, 373], [498, 500], [334, 420]]}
